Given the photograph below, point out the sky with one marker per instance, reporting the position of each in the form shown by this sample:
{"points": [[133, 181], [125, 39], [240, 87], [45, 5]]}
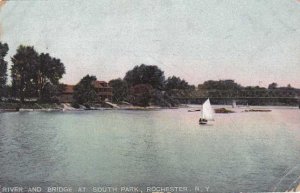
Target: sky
{"points": [[254, 42]]}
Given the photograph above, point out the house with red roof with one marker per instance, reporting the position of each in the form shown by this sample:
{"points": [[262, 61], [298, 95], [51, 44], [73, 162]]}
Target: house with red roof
{"points": [[67, 94], [104, 92]]}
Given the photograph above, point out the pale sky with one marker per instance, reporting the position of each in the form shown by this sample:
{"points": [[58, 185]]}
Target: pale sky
{"points": [[251, 41]]}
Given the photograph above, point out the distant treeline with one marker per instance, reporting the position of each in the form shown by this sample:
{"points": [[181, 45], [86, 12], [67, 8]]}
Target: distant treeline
{"points": [[37, 75], [225, 91]]}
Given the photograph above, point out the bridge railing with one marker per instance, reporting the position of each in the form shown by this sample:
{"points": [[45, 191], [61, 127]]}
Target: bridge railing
{"points": [[267, 93]]}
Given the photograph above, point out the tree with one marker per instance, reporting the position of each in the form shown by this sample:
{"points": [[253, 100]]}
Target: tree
{"points": [[3, 67], [31, 72], [141, 94], [273, 85], [120, 90], [289, 86], [23, 71], [145, 74], [51, 92], [85, 91], [50, 71], [221, 85], [177, 83]]}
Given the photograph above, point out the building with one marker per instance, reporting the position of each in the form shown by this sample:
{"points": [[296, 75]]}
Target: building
{"points": [[67, 94], [104, 92]]}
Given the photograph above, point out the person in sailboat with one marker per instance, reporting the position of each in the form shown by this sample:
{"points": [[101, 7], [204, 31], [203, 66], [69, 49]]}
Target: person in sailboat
{"points": [[207, 113], [202, 121]]}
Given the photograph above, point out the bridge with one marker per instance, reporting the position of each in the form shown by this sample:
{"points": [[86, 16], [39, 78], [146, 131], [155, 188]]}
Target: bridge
{"points": [[260, 96]]}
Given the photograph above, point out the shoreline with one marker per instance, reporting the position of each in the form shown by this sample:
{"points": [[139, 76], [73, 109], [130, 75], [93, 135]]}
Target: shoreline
{"points": [[131, 108], [127, 108], [66, 107]]}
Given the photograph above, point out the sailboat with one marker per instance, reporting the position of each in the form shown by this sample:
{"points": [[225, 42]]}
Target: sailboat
{"points": [[207, 113]]}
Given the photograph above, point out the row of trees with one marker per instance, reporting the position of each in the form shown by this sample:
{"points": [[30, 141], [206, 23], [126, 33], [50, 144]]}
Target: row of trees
{"points": [[142, 86], [146, 84], [229, 85], [33, 74]]}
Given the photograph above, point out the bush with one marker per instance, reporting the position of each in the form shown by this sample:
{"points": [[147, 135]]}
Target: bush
{"points": [[75, 105]]}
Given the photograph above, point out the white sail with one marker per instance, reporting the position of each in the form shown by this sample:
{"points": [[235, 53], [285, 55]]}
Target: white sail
{"points": [[207, 111]]}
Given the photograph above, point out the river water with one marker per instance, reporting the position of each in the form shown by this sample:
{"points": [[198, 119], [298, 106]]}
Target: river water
{"points": [[239, 152]]}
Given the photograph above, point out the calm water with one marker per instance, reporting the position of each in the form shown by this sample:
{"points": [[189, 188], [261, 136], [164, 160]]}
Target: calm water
{"points": [[240, 152]]}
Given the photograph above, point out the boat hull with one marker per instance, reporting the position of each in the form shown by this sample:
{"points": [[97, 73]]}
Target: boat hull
{"points": [[202, 121]]}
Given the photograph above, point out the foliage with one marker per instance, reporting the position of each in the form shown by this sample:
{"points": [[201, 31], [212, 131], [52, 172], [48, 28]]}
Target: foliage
{"points": [[141, 94], [3, 67], [289, 86], [32, 72], [221, 85], [23, 71], [75, 105], [50, 93], [49, 71], [6, 91], [273, 85], [84, 91], [145, 74], [163, 99], [120, 90], [147, 86], [177, 83]]}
